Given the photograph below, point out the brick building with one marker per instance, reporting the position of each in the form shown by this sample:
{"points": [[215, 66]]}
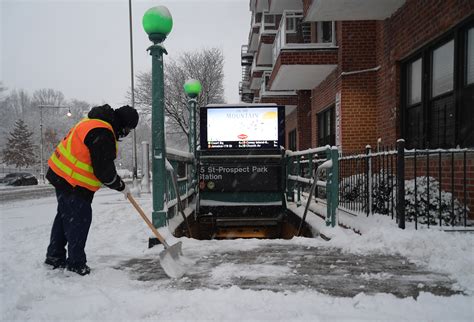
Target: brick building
{"points": [[357, 74]]}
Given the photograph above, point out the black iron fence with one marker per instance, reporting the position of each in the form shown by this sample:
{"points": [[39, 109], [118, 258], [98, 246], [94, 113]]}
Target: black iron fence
{"points": [[429, 187]]}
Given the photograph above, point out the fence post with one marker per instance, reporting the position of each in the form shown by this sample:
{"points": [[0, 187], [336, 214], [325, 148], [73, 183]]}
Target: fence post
{"points": [[368, 181], [289, 188], [332, 187], [298, 184], [401, 183]]}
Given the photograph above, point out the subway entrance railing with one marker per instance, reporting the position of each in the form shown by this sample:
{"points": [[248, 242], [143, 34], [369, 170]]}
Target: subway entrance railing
{"points": [[318, 166], [182, 163], [413, 187], [250, 191]]}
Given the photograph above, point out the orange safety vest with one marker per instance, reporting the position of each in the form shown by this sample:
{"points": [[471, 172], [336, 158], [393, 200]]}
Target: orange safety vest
{"points": [[72, 160]]}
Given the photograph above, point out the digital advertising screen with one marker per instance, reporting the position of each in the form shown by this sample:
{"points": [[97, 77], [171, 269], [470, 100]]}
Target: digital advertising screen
{"points": [[242, 127]]}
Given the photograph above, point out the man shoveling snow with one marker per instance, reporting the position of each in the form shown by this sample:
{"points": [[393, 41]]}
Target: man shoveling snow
{"points": [[83, 162]]}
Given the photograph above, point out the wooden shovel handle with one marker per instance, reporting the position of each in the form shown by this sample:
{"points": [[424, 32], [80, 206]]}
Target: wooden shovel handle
{"points": [[145, 218]]}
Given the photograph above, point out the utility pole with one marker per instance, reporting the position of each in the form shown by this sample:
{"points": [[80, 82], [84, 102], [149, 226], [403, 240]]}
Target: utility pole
{"points": [[132, 80]]}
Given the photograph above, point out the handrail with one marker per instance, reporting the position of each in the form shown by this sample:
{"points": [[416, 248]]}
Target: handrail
{"points": [[182, 163], [299, 175]]}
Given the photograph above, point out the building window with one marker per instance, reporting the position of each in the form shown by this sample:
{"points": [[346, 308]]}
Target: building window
{"points": [[292, 140], [290, 24], [326, 127], [324, 32], [443, 69], [438, 92], [470, 57], [268, 19], [414, 82]]}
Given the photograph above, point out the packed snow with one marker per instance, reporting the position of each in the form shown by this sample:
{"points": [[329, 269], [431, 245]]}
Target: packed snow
{"points": [[31, 291]]}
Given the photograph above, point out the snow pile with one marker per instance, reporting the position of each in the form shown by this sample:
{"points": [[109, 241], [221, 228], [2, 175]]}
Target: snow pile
{"points": [[447, 252]]}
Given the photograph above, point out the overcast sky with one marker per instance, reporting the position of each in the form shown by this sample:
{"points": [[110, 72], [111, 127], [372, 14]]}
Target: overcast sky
{"points": [[82, 47]]}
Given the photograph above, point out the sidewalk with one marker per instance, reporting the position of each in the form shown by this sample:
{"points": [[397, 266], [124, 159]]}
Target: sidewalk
{"points": [[285, 266]]}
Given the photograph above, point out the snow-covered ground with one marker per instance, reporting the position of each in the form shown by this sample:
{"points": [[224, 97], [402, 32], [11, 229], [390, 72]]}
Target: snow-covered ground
{"points": [[29, 291]]}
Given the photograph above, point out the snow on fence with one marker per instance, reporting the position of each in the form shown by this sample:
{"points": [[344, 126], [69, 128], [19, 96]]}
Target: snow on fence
{"points": [[430, 187]]}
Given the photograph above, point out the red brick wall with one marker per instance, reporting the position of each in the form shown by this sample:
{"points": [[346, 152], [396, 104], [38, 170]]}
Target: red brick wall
{"points": [[358, 112], [357, 41], [280, 100], [308, 57]]}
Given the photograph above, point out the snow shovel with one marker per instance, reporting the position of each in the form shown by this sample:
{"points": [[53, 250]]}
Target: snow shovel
{"points": [[171, 258]]}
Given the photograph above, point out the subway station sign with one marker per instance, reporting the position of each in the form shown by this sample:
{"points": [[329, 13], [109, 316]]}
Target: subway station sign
{"points": [[239, 177]]}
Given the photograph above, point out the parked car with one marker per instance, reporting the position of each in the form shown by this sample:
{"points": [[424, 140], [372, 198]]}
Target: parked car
{"points": [[19, 179]]}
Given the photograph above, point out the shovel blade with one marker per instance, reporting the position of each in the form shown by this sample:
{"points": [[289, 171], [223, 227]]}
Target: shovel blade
{"points": [[173, 262]]}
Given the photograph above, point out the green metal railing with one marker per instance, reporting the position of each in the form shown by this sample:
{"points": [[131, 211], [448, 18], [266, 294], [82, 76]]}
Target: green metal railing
{"points": [[183, 163], [301, 169]]}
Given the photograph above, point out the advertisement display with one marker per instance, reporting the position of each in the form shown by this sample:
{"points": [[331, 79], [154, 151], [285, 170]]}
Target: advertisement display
{"points": [[242, 127]]}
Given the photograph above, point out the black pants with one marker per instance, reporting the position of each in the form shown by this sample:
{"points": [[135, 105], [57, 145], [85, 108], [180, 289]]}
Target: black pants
{"points": [[71, 227]]}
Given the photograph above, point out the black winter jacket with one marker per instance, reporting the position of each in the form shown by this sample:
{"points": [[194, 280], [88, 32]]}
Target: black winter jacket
{"points": [[102, 147]]}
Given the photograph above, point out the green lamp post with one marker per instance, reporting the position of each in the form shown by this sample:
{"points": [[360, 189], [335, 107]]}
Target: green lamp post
{"points": [[192, 88], [157, 23]]}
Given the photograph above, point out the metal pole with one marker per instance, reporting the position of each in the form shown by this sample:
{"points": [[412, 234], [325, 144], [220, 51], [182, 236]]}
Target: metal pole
{"points": [[333, 182], [368, 182], [158, 135], [191, 126], [41, 145], [401, 183], [192, 138], [145, 184], [134, 135]]}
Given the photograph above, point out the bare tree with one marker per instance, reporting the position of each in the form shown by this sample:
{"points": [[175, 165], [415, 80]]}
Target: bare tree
{"points": [[18, 102], [206, 65], [48, 96]]}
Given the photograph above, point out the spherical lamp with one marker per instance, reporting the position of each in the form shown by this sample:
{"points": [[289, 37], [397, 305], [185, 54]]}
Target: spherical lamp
{"points": [[192, 88], [157, 23]]}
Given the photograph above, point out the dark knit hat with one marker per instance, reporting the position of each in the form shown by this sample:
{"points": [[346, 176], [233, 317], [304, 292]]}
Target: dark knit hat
{"points": [[127, 116]]}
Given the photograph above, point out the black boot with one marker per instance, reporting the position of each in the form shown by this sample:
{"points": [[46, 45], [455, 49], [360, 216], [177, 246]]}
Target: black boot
{"points": [[55, 262], [81, 270]]}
